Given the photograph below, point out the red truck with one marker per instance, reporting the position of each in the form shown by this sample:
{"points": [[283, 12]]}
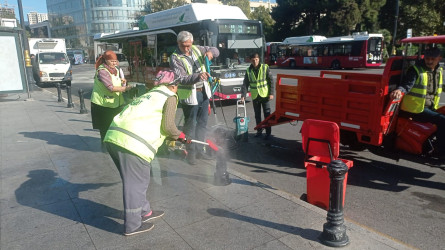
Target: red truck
{"points": [[359, 103]]}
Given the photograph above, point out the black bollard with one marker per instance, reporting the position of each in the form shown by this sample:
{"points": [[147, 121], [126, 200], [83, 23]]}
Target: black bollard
{"points": [[59, 93], [70, 100], [83, 110], [334, 230]]}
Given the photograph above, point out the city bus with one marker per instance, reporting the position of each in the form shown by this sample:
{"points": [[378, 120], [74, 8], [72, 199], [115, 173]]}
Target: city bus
{"points": [[361, 50], [226, 27], [270, 54]]}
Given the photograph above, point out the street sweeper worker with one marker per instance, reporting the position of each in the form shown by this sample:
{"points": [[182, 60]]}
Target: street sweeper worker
{"points": [[132, 141], [194, 89], [259, 78]]}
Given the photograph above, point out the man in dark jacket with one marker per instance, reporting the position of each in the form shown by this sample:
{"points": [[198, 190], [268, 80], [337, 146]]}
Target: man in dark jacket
{"points": [[259, 78]]}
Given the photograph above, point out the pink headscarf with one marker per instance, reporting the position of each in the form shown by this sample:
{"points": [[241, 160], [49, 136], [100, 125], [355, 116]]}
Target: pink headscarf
{"points": [[166, 77]]}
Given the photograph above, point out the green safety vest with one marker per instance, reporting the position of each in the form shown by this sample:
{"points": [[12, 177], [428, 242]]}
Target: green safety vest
{"points": [[414, 101], [103, 96], [258, 86], [138, 127], [184, 91]]}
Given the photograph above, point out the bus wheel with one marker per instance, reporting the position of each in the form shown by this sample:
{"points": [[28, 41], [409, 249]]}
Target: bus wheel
{"points": [[292, 64], [335, 64]]}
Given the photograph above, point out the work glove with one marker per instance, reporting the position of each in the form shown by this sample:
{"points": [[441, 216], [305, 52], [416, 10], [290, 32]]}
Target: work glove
{"points": [[182, 138]]}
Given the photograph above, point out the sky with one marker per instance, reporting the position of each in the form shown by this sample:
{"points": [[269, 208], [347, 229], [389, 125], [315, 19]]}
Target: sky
{"points": [[28, 5]]}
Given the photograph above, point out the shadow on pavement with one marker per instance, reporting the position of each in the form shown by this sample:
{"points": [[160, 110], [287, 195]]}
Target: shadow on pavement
{"points": [[308, 234], [44, 185], [64, 140]]}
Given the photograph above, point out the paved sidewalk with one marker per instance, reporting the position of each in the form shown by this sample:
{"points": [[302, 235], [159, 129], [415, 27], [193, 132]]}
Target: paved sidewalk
{"points": [[59, 191]]}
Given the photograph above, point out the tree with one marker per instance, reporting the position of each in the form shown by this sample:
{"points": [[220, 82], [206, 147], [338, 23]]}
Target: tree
{"points": [[244, 5], [199, 1], [345, 17], [159, 5], [262, 14], [286, 16], [423, 17], [369, 13]]}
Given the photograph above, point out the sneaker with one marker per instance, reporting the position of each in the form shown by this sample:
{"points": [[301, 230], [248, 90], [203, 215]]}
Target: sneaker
{"points": [[266, 137], [153, 215], [258, 134], [143, 228]]}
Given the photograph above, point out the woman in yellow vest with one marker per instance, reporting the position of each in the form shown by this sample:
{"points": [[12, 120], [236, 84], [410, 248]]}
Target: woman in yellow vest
{"points": [[132, 141], [107, 99], [260, 81], [422, 86]]}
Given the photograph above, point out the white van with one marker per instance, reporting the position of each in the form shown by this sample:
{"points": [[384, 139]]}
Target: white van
{"points": [[50, 63]]}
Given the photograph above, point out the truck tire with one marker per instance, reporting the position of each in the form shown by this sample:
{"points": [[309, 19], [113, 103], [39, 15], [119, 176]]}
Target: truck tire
{"points": [[292, 64], [335, 64]]}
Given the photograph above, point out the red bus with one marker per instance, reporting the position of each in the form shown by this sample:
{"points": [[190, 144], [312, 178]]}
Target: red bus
{"points": [[360, 50], [270, 56]]}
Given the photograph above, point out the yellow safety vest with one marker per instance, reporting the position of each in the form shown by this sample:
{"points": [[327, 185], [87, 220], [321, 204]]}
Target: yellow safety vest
{"points": [[138, 127], [103, 96], [414, 101], [184, 91], [258, 86]]}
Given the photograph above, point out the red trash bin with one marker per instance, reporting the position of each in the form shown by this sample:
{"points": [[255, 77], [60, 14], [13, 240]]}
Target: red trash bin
{"points": [[321, 141], [318, 182]]}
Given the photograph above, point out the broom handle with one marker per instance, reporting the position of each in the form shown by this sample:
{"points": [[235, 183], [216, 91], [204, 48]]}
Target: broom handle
{"points": [[200, 142]]}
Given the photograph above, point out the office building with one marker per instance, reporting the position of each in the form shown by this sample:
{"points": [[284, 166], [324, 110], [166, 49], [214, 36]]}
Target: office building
{"points": [[78, 20], [268, 4], [34, 17]]}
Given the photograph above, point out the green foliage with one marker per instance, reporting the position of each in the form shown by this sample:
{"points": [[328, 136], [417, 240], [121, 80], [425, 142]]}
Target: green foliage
{"points": [[244, 5], [345, 17], [286, 16], [423, 17], [199, 1], [262, 14], [159, 5]]}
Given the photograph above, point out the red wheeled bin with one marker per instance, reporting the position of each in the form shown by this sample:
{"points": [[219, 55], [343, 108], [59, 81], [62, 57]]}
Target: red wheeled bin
{"points": [[321, 141]]}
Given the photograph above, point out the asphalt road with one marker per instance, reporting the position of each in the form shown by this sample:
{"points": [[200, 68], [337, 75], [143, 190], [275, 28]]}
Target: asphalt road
{"points": [[401, 198]]}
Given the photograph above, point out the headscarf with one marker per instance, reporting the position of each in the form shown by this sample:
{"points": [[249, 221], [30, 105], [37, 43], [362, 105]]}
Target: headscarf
{"points": [[166, 77], [107, 55]]}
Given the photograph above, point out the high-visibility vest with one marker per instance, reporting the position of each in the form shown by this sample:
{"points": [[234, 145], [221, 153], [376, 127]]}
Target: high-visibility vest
{"points": [[103, 96], [185, 91], [138, 127], [258, 86], [414, 101]]}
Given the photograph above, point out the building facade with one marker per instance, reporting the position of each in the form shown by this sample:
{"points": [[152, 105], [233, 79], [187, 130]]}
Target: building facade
{"points": [[34, 17], [268, 4], [6, 12], [78, 20]]}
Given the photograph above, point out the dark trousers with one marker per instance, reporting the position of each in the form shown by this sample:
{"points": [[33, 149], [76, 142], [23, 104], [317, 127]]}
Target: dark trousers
{"points": [[135, 175], [431, 116], [195, 125], [258, 103]]}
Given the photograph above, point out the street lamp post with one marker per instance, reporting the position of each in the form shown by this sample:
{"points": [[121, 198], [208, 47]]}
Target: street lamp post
{"points": [[395, 29], [29, 76]]}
